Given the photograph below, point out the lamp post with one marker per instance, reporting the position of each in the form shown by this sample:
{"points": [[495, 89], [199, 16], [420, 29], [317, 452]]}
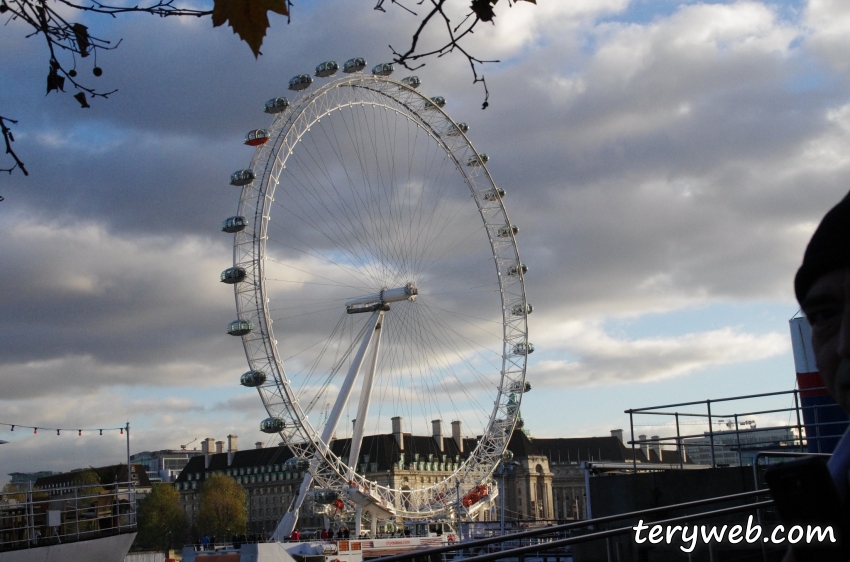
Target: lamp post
{"points": [[507, 463]]}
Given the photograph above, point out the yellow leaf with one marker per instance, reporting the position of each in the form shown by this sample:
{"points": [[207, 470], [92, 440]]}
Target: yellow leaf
{"points": [[248, 18]]}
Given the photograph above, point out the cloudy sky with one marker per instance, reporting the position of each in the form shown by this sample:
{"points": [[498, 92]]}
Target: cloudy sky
{"points": [[666, 162]]}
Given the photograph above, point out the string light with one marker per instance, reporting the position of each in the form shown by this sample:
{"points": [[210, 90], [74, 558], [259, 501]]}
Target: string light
{"points": [[59, 430]]}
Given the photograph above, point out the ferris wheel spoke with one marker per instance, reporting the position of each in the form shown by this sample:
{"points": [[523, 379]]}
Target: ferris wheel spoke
{"points": [[451, 343], [353, 273], [439, 347]]}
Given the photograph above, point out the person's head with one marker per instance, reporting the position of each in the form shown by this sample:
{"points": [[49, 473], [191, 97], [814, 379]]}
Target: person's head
{"points": [[822, 286]]}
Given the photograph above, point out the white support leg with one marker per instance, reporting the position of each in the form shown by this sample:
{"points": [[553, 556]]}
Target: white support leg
{"points": [[287, 524], [358, 516], [365, 400]]}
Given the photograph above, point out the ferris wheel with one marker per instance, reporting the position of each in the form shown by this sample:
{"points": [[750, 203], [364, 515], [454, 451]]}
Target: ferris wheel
{"points": [[377, 278]]}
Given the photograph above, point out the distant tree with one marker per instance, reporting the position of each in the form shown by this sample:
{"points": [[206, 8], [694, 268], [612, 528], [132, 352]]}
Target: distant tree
{"points": [[162, 523], [89, 480], [222, 509], [14, 491]]}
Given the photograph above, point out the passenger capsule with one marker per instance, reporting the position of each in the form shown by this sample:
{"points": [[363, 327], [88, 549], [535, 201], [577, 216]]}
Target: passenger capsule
{"points": [[326, 496], [234, 224], [257, 137], [494, 194], [296, 464], [479, 160], [253, 379], [507, 230], [354, 65], [272, 425], [457, 129], [383, 69], [436, 101], [242, 177], [520, 387], [239, 327], [300, 82], [515, 270], [233, 275], [276, 105], [523, 349], [517, 310], [326, 69], [411, 81]]}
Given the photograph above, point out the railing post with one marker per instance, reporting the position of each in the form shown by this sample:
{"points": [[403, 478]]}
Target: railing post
{"points": [[738, 441], [679, 447], [632, 430], [799, 425], [817, 426], [711, 433]]}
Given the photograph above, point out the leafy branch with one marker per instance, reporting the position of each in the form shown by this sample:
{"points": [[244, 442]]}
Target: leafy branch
{"points": [[66, 41]]}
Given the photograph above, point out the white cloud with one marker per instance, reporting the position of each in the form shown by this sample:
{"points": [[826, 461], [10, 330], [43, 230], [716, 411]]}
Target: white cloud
{"points": [[828, 23], [604, 359]]}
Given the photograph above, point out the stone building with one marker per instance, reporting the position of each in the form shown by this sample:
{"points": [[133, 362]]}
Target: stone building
{"points": [[397, 459], [545, 482], [549, 481]]}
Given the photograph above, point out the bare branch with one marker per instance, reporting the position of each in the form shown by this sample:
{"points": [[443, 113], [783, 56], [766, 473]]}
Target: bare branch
{"points": [[9, 139], [62, 36], [454, 34]]}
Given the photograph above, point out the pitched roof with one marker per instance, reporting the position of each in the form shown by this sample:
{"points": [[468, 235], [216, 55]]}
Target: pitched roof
{"points": [[381, 449], [106, 475], [521, 446], [578, 449]]}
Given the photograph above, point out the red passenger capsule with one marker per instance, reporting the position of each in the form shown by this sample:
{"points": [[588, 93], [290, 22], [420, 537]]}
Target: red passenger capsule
{"points": [[257, 137]]}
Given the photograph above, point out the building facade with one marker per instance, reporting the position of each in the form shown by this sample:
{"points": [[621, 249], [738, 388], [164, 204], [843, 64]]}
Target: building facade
{"points": [[545, 481], [738, 448], [164, 465]]}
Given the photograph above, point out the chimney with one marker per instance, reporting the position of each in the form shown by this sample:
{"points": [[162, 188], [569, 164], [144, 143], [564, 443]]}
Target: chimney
{"points": [[457, 436], [656, 446], [437, 433], [231, 449], [644, 446], [618, 433], [219, 447], [399, 436], [258, 445], [207, 446]]}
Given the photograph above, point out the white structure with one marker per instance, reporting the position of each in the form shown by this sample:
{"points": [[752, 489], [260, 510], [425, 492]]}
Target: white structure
{"points": [[390, 272]]}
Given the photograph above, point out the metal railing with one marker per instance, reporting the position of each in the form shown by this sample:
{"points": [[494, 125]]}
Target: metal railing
{"points": [[818, 429], [34, 518], [561, 536]]}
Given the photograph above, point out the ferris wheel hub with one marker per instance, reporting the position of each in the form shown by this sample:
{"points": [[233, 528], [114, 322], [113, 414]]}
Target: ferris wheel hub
{"points": [[385, 296]]}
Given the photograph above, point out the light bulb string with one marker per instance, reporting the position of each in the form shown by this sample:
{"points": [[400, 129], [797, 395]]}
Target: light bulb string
{"points": [[59, 430]]}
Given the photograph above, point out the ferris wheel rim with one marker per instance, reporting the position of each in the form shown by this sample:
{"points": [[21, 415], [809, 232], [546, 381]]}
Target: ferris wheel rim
{"points": [[292, 124]]}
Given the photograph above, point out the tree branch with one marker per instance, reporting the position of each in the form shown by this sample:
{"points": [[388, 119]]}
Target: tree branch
{"points": [[62, 36], [9, 139], [455, 35]]}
